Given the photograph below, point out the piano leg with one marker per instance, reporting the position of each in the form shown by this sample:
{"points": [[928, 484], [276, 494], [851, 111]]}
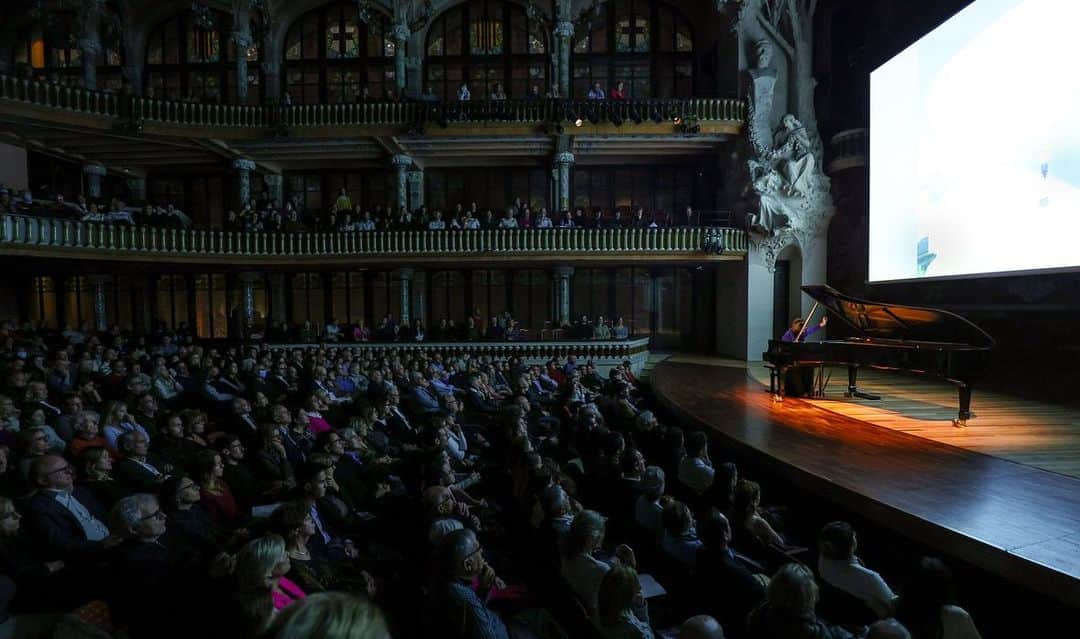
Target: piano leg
{"points": [[852, 387], [781, 381], [965, 406]]}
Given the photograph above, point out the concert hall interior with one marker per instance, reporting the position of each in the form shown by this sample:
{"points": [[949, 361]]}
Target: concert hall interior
{"points": [[539, 319]]}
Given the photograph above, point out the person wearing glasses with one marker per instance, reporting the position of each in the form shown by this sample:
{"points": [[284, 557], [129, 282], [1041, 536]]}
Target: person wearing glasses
{"points": [[66, 518], [153, 569]]}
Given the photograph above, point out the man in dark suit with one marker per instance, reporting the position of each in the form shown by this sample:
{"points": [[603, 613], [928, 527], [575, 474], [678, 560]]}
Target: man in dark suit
{"points": [[136, 469], [475, 401], [154, 569], [721, 570], [67, 519], [242, 423], [422, 397]]}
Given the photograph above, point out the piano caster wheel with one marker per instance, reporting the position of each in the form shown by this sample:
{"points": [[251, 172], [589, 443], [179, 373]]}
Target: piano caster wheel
{"points": [[959, 423]]}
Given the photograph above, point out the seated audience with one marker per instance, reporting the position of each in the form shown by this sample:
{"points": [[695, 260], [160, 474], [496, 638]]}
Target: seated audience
{"points": [[928, 607], [840, 568], [788, 609]]}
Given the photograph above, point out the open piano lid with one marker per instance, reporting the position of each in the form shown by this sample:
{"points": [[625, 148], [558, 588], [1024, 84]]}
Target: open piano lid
{"points": [[895, 322]]}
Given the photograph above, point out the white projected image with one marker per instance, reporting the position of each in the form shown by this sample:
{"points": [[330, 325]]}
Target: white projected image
{"points": [[975, 145]]}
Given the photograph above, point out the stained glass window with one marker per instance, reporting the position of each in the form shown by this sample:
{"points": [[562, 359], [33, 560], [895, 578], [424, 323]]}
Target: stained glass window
{"points": [[191, 58], [352, 55], [485, 42], [647, 44]]}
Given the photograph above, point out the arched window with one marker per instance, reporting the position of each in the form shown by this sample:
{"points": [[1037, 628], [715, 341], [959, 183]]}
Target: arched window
{"points": [[484, 42], [332, 56], [646, 44], [192, 56], [52, 50]]}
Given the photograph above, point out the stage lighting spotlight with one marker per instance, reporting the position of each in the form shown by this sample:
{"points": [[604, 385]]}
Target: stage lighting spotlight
{"points": [[678, 120], [578, 122]]}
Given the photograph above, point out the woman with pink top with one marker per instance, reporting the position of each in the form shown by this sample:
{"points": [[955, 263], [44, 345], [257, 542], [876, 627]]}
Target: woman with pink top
{"points": [[260, 579]]}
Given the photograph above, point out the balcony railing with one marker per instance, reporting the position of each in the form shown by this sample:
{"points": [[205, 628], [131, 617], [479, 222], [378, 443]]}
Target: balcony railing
{"points": [[398, 114], [47, 94], [114, 240]]}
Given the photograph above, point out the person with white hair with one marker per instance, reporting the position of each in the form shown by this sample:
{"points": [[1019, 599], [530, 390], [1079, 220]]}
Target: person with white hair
{"points": [[701, 627], [888, 629]]}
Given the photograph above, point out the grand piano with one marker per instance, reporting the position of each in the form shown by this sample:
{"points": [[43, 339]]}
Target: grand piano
{"points": [[923, 341]]}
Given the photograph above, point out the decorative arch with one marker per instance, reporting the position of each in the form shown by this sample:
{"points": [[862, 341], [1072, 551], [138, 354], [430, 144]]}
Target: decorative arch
{"points": [[647, 44], [331, 55], [191, 56], [484, 43]]}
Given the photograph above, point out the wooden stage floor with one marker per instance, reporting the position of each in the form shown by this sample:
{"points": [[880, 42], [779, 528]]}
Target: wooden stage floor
{"points": [[983, 501]]}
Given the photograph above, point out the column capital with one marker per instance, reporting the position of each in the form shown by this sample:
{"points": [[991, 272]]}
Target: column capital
{"points": [[400, 32], [564, 29], [401, 160], [243, 164], [94, 169], [415, 177], [90, 44], [564, 272], [273, 179], [404, 274], [250, 277], [243, 40], [564, 158], [99, 279]]}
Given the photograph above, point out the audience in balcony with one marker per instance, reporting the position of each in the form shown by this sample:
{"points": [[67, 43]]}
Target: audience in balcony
{"points": [[597, 92], [619, 92], [263, 215]]}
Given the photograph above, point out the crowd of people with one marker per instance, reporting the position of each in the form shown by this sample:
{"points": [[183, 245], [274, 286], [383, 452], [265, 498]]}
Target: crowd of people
{"points": [[115, 210], [499, 328], [178, 490], [263, 214]]}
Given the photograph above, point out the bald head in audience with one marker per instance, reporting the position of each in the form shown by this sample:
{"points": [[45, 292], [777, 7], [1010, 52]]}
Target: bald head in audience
{"points": [[701, 627], [888, 629]]}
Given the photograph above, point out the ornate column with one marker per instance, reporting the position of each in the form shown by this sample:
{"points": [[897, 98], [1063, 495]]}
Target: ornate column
{"points": [[275, 185], [400, 32], [137, 186], [90, 46], [248, 282], [241, 37], [562, 280], [564, 33], [402, 163], [243, 179], [101, 317], [272, 90], [93, 173], [405, 276], [415, 179], [563, 161], [89, 40]]}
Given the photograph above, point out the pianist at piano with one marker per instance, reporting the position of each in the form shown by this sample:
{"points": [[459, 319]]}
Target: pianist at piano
{"points": [[795, 332]]}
